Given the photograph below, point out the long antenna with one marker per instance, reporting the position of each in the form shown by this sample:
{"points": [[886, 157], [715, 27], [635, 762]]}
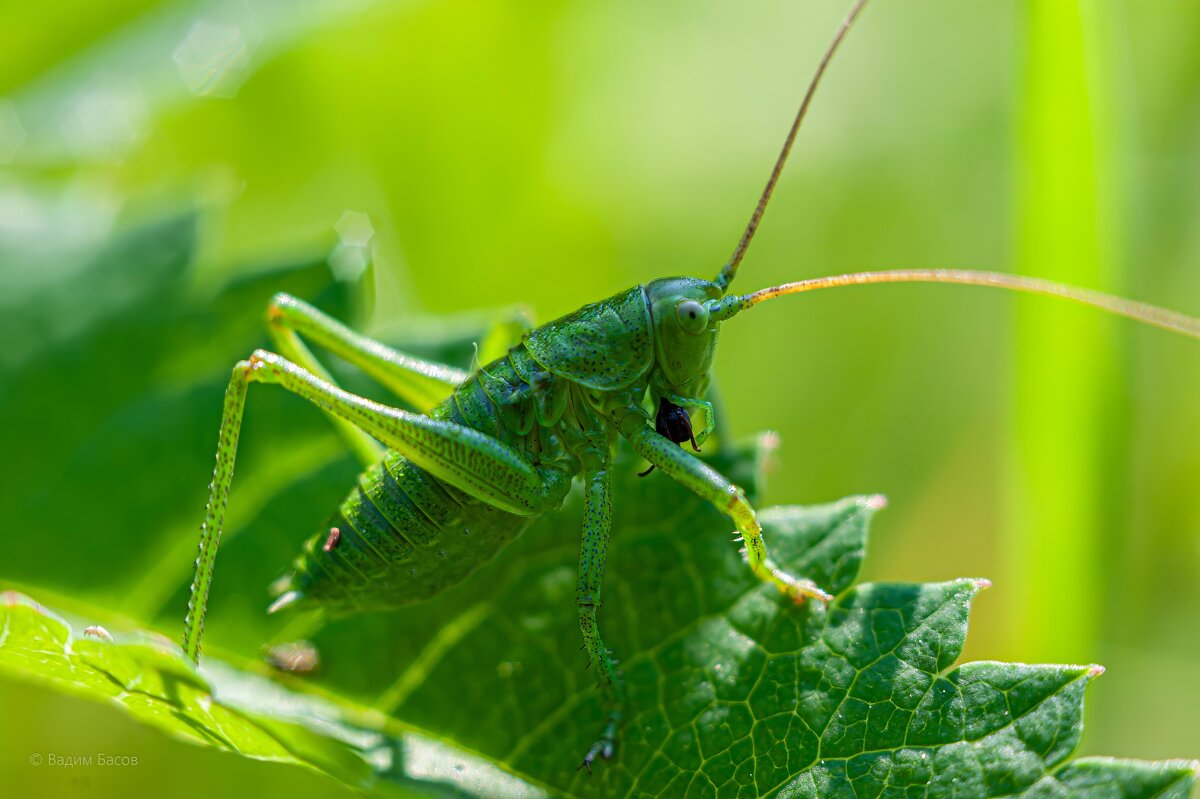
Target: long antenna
{"points": [[730, 269], [1139, 311]]}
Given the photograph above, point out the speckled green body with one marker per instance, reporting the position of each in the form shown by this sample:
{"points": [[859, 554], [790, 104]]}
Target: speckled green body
{"points": [[493, 450], [405, 534]]}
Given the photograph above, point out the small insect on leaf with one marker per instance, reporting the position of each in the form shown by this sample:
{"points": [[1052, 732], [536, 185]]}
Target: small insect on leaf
{"points": [[297, 657], [335, 536], [98, 632]]}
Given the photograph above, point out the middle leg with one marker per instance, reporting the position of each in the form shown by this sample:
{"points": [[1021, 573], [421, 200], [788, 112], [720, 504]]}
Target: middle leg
{"points": [[419, 382], [597, 529]]}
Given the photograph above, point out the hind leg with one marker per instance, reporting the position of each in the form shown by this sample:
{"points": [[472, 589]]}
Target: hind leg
{"points": [[473, 462], [419, 382]]}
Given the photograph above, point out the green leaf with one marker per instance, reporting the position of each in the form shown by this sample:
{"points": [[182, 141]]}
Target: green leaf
{"points": [[116, 381], [150, 679], [732, 691], [235, 710]]}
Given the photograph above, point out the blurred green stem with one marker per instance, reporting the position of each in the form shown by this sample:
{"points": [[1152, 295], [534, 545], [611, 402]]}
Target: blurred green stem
{"points": [[1060, 416]]}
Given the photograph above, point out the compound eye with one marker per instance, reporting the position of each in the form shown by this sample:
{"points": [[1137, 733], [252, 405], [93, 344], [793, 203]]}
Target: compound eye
{"points": [[692, 316]]}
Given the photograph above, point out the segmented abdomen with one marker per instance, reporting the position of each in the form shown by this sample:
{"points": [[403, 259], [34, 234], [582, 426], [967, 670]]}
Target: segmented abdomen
{"points": [[404, 534]]}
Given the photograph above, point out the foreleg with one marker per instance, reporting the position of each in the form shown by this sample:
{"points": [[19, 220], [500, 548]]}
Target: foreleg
{"points": [[710, 485]]}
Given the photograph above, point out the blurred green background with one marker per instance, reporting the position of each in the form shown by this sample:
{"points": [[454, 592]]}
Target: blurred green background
{"points": [[164, 167]]}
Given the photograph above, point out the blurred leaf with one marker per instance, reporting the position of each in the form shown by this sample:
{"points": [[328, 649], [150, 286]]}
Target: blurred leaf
{"points": [[115, 399], [172, 54], [50, 303], [150, 679], [732, 691]]}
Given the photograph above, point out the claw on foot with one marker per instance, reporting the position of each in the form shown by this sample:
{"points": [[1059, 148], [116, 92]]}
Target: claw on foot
{"points": [[813, 593], [803, 590], [603, 748]]}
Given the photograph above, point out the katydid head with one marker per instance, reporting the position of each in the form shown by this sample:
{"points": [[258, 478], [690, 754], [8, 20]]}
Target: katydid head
{"points": [[685, 338]]}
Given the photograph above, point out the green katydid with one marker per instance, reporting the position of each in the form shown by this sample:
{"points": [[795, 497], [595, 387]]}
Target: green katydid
{"points": [[503, 444]]}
